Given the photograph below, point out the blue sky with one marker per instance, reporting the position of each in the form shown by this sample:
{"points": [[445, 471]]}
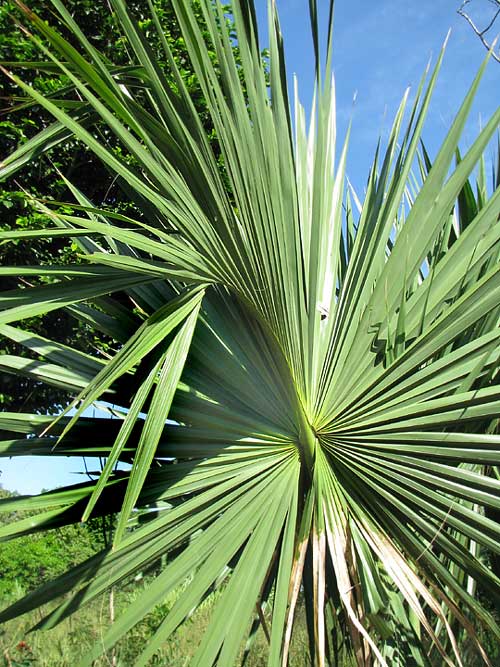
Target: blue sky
{"points": [[380, 48]]}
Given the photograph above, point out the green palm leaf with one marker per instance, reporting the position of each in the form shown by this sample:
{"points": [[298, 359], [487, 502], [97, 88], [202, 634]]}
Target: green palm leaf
{"points": [[306, 383]]}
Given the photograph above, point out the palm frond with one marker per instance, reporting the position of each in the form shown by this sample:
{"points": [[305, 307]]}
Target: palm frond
{"points": [[305, 381]]}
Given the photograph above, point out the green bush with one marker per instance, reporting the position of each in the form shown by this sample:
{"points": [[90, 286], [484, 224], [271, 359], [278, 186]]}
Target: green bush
{"points": [[33, 559]]}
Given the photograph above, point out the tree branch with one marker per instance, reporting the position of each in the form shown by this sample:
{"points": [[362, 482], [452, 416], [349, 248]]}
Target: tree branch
{"points": [[481, 33]]}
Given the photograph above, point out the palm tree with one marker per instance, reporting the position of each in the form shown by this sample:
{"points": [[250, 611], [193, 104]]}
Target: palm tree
{"points": [[304, 382]]}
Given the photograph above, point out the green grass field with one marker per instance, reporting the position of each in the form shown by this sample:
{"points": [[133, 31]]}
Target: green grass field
{"points": [[67, 642]]}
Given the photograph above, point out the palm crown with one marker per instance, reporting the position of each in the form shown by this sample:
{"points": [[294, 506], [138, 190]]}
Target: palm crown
{"points": [[305, 381]]}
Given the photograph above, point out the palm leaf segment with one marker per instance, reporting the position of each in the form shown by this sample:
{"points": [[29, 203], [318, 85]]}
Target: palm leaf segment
{"points": [[327, 365]]}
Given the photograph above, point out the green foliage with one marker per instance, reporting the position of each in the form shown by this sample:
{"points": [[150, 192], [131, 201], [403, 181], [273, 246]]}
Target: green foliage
{"points": [[305, 382], [34, 559], [63, 645], [42, 177]]}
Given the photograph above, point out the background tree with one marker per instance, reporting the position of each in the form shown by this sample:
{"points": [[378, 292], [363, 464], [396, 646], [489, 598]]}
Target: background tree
{"points": [[37, 558], [19, 121]]}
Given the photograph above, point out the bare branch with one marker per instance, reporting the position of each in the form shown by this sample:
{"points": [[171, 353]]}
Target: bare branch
{"points": [[496, 3], [481, 33]]}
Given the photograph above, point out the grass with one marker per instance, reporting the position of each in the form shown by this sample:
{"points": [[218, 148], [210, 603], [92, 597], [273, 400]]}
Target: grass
{"points": [[65, 644]]}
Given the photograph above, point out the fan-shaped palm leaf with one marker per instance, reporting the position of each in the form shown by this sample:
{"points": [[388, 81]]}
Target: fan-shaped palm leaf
{"points": [[328, 372]]}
